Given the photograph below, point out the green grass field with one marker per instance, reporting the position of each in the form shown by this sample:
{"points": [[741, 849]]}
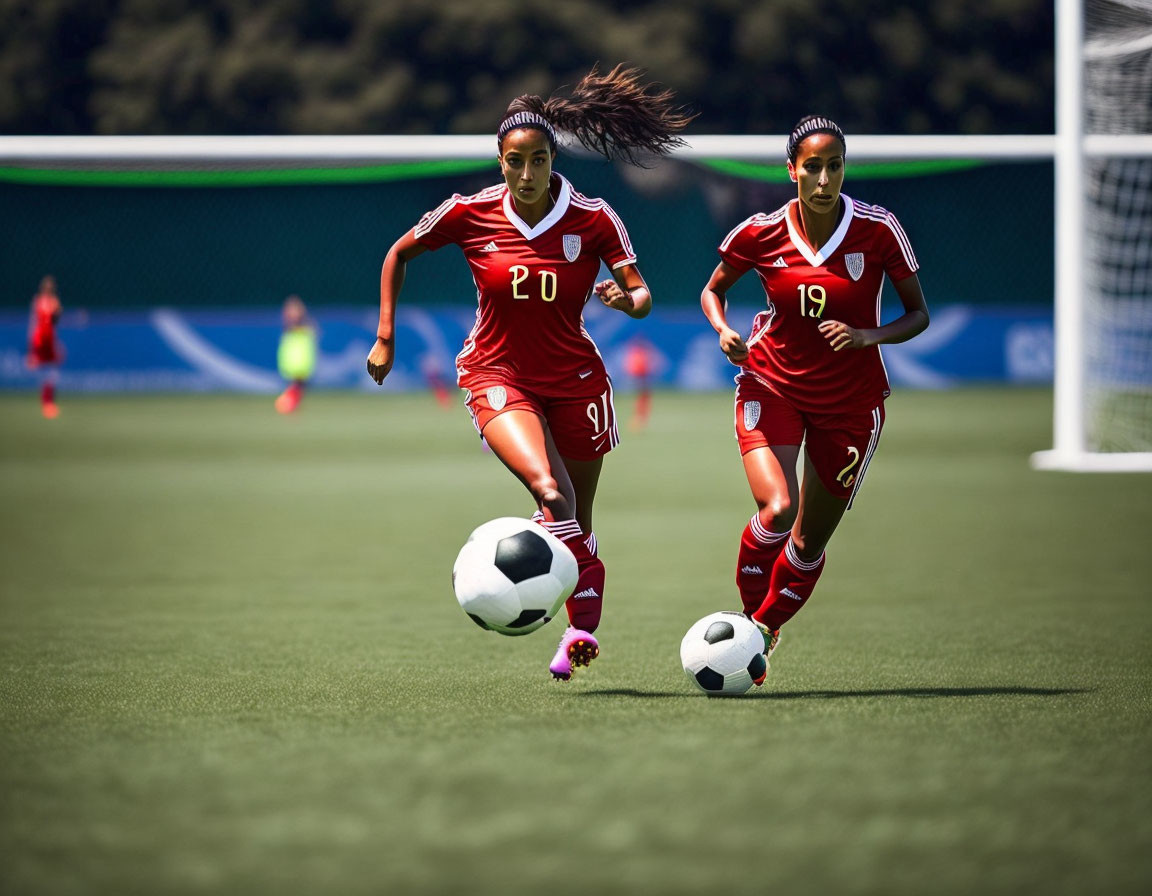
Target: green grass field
{"points": [[231, 662]]}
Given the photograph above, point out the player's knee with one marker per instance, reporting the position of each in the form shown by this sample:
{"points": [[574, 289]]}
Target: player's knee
{"points": [[777, 514]]}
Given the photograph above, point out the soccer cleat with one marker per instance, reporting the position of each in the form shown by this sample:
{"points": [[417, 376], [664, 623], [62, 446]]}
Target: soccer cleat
{"points": [[771, 638], [50, 410], [287, 402], [577, 648]]}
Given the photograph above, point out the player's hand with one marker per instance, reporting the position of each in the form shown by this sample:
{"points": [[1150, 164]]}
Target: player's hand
{"points": [[733, 346], [380, 360], [841, 335], [613, 296]]}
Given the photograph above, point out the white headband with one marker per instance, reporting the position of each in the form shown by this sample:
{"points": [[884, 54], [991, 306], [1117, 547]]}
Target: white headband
{"points": [[810, 127], [525, 120]]}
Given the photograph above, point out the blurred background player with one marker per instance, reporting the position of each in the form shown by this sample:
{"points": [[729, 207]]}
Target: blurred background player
{"points": [[436, 378], [810, 371], [536, 385], [45, 351], [296, 355], [640, 366]]}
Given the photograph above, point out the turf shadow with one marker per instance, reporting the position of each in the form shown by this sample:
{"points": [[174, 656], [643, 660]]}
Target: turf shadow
{"points": [[923, 693], [919, 693]]}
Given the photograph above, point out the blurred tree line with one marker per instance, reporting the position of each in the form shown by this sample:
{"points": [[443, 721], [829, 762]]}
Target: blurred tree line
{"points": [[451, 66]]}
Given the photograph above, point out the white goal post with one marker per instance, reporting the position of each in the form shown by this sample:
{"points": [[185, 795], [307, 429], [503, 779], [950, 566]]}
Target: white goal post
{"points": [[1102, 404]]}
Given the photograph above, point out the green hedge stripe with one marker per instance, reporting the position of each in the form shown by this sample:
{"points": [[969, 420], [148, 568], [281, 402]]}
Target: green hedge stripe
{"points": [[72, 177], [777, 173]]}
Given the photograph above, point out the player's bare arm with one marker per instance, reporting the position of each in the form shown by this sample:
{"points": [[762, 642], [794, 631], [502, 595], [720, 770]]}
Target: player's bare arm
{"points": [[627, 292], [912, 322], [714, 303], [382, 355]]}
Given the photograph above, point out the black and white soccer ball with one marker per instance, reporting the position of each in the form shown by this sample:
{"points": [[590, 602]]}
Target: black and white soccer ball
{"points": [[512, 575], [724, 654]]}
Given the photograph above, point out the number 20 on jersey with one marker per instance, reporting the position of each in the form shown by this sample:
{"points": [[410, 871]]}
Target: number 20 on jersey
{"points": [[521, 289]]}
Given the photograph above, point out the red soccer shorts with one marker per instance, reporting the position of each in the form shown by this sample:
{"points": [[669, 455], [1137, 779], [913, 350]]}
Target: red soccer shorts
{"points": [[43, 351], [839, 446], [582, 422]]}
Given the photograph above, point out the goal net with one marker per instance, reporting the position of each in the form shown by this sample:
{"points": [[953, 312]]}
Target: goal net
{"points": [[1103, 398]]}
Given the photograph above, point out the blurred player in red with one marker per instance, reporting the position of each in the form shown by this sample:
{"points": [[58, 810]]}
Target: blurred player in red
{"points": [[639, 364], [45, 352], [536, 385], [810, 370], [434, 376]]}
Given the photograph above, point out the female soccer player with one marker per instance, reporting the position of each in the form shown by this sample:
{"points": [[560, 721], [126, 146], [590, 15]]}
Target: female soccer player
{"points": [[45, 352], [810, 371], [535, 383]]}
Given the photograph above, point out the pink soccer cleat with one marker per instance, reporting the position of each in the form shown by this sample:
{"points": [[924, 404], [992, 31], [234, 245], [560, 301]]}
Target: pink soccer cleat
{"points": [[577, 648]]}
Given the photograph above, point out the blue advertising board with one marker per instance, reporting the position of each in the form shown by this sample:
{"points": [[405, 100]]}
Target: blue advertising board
{"points": [[166, 349]]}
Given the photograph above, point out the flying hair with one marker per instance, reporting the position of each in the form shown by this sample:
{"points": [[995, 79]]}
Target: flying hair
{"points": [[809, 125], [615, 115]]}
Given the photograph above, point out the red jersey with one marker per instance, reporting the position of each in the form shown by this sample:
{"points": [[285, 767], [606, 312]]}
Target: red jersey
{"points": [[531, 282], [45, 311], [42, 328], [842, 281]]}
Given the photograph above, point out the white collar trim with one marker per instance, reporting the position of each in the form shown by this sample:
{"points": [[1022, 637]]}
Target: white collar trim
{"points": [[557, 212], [816, 259]]}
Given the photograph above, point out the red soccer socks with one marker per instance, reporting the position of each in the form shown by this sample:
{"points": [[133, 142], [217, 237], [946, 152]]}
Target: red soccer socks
{"points": [[791, 585], [759, 549], [587, 599], [48, 400]]}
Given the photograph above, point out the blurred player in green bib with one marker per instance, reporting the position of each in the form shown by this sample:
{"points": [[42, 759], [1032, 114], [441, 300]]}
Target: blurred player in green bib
{"points": [[296, 357]]}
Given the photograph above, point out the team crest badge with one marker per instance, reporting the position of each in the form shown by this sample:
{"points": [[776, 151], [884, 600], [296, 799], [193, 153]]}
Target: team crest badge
{"points": [[855, 263], [571, 246], [497, 397], [751, 414]]}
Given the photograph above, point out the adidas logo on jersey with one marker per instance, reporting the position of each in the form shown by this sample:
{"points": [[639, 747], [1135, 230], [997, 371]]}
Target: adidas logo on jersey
{"points": [[780, 263], [788, 592], [491, 247], [752, 570], [587, 592]]}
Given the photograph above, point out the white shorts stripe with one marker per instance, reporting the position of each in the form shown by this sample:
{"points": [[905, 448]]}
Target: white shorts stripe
{"points": [[873, 441]]}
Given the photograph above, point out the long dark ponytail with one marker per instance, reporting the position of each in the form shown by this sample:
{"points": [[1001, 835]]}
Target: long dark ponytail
{"points": [[616, 115]]}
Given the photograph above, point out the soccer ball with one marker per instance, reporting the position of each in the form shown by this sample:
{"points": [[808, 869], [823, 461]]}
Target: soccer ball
{"points": [[724, 654], [513, 575]]}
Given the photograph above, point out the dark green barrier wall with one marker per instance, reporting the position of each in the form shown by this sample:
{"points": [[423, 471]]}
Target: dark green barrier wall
{"points": [[984, 235]]}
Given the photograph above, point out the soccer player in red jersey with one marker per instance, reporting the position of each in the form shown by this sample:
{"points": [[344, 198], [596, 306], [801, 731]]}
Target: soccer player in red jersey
{"points": [[45, 352], [535, 383], [810, 370]]}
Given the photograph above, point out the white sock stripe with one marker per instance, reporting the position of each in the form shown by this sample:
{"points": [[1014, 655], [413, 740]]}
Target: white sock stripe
{"points": [[590, 543], [794, 558], [564, 529], [763, 534], [538, 516]]}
